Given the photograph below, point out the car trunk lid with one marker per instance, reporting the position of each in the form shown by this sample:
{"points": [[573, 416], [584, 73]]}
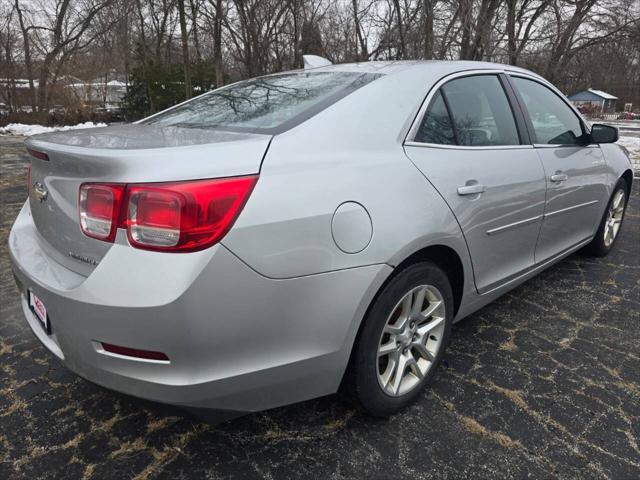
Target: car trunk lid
{"points": [[123, 154]]}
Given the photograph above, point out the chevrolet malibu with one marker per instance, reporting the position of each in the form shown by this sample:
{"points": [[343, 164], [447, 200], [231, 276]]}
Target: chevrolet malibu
{"points": [[293, 235]]}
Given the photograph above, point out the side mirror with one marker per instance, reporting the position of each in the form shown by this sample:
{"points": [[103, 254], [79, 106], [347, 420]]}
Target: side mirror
{"points": [[603, 133]]}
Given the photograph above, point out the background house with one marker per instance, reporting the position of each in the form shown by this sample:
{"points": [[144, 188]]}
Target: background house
{"points": [[65, 92], [98, 93], [594, 100]]}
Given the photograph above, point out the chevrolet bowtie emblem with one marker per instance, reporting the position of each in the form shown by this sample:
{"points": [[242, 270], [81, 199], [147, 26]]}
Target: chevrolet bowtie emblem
{"points": [[40, 191]]}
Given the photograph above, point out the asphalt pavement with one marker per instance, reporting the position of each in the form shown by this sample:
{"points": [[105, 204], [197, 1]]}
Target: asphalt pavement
{"points": [[543, 383]]}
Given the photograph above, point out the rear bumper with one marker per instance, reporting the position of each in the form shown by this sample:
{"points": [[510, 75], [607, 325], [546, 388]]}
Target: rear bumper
{"points": [[235, 340]]}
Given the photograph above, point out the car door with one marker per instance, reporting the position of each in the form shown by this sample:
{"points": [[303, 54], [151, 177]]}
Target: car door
{"points": [[575, 171], [472, 145]]}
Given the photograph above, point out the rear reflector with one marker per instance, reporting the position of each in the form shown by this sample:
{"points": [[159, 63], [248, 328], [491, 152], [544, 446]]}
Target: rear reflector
{"points": [[169, 217], [38, 155], [134, 352]]}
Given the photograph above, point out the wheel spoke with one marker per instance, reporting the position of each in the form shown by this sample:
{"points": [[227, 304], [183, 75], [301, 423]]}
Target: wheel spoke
{"points": [[423, 351], [401, 366], [616, 227], [618, 200], [433, 306], [415, 369], [392, 329], [385, 378], [398, 327], [387, 348], [407, 303], [418, 300], [428, 327]]}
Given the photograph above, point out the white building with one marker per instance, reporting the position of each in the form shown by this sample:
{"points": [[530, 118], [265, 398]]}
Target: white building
{"points": [[108, 95]]}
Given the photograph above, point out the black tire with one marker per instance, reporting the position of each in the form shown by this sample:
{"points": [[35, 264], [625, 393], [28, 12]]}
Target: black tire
{"points": [[598, 247], [361, 379]]}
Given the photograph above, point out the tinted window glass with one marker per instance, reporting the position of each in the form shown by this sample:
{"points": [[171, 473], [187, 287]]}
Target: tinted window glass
{"points": [[553, 121], [481, 112], [265, 103], [436, 124]]}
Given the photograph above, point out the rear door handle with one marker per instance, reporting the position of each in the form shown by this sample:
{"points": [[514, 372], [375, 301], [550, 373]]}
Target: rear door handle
{"points": [[558, 177], [471, 189]]}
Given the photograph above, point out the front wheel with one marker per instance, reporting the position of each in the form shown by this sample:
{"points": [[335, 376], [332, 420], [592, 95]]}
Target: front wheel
{"points": [[402, 340], [611, 222]]}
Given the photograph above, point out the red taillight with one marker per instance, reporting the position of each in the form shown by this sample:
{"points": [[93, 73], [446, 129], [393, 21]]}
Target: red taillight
{"points": [[177, 217], [134, 352], [38, 155], [99, 207], [154, 217], [184, 216]]}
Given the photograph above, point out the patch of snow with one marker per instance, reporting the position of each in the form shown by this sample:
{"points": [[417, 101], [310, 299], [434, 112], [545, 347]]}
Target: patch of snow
{"points": [[28, 130], [18, 82], [632, 144]]}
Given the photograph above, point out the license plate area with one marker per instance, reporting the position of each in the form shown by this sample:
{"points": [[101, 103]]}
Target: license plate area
{"points": [[40, 311]]}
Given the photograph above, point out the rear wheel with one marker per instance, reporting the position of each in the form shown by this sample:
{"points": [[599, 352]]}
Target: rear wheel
{"points": [[611, 222], [402, 340]]}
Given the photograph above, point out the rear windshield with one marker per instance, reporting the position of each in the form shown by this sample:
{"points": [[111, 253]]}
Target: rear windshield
{"points": [[269, 104]]}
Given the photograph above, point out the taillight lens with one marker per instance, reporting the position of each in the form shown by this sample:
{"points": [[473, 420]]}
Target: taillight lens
{"points": [[154, 217], [175, 217], [99, 210]]}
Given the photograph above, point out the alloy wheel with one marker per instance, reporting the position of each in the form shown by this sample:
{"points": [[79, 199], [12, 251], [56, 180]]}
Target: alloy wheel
{"points": [[614, 218], [410, 340]]}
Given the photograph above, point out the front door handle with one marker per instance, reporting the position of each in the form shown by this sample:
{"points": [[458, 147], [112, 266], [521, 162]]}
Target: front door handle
{"points": [[558, 177], [471, 189]]}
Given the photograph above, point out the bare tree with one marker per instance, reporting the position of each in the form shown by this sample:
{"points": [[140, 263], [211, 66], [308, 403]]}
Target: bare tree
{"points": [[8, 42], [402, 45], [153, 41], [567, 30], [27, 54], [185, 50], [361, 40], [427, 14]]}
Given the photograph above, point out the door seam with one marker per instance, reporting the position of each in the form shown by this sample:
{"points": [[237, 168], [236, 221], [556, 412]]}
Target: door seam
{"points": [[466, 243]]}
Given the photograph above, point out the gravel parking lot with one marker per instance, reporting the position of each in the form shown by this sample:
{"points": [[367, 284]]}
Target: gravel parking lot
{"points": [[543, 383]]}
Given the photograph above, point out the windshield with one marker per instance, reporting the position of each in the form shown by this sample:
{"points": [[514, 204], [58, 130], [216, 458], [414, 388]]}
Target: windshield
{"points": [[266, 104]]}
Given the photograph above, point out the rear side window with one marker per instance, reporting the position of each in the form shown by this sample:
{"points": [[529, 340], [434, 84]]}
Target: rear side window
{"points": [[469, 111], [480, 111], [264, 105], [553, 121], [436, 125]]}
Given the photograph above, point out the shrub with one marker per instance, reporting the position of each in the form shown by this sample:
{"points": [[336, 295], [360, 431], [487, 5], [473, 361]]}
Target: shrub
{"points": [[154, 87]]}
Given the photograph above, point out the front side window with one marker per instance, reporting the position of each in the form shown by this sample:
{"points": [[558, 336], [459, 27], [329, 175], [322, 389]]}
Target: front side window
{"points": [[553, 121], [266, 104], [480, 111]]}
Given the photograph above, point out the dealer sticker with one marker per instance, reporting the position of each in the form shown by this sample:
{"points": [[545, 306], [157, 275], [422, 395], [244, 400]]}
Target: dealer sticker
{"points": [[37, 306]]}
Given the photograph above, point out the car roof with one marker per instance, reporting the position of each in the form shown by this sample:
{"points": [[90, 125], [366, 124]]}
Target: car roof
{"points": [[445, 67]]}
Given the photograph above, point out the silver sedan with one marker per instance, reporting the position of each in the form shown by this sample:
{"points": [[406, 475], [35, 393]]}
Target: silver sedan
{"points": [[284, 237]]}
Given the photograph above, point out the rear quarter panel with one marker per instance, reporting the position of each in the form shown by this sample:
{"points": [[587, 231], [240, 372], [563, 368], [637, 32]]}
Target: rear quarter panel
{"points": [[351, 151]]}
